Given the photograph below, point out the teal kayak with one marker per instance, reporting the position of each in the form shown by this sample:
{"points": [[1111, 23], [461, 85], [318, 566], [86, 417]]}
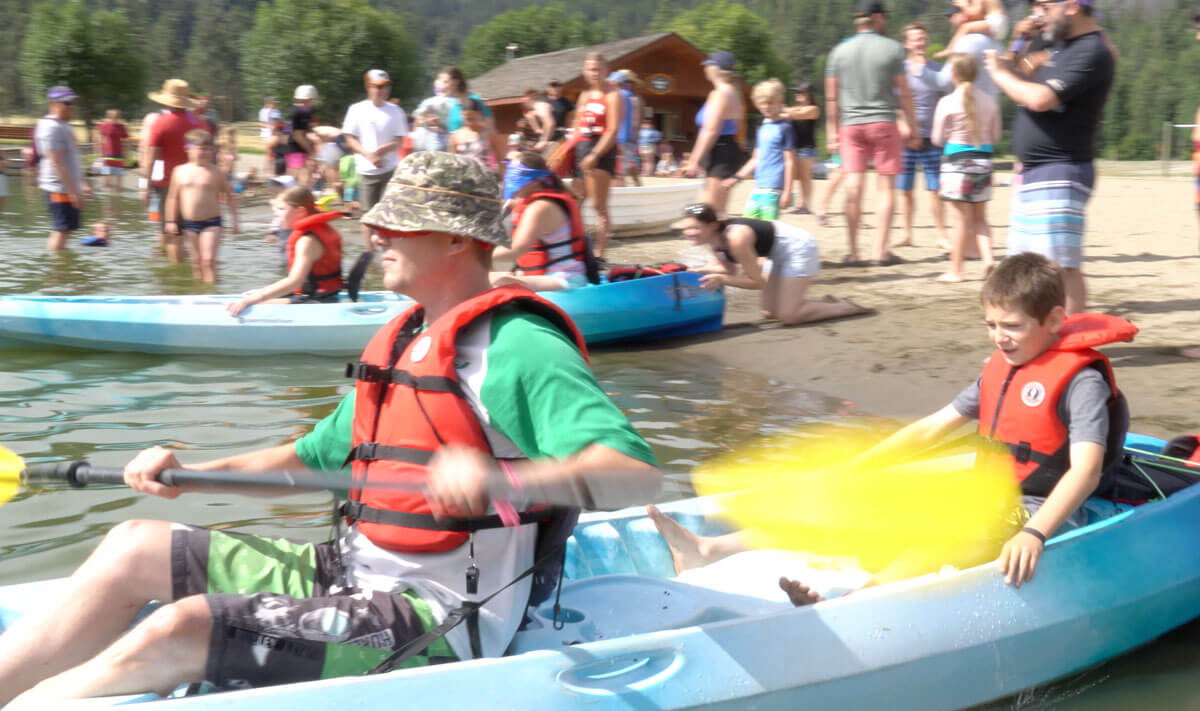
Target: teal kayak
{"points": [[634, 637], [643, 309]]}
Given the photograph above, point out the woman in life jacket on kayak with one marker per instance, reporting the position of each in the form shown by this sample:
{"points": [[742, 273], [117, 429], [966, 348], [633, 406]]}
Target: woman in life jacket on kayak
{"points": [[739, 246], [314, 255], [548, 242]]}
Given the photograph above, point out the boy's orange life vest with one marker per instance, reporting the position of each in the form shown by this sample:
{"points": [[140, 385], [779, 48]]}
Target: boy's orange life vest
{"points": [[1018, 405], [408, 404], [326, 274], [537, 260]]}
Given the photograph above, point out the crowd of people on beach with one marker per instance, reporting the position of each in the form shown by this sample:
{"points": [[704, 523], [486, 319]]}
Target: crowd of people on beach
{"points": [[484, 384]]}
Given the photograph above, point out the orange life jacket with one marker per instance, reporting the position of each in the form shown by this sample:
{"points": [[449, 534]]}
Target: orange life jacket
{"points": [[1018, 405], [408, 404], [537, 260], [326, 274]]}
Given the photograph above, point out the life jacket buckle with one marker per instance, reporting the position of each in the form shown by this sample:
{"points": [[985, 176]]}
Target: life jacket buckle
{"points": [[1023, 452], [367, 372], [366, 451]]}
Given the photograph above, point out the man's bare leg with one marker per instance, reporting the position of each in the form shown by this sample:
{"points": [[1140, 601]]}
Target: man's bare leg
{"points": [[57, 240], [1076, 290], [689, 550], [130, 567], [887, 207], [854, 194], [908, 206], [168, 649]]}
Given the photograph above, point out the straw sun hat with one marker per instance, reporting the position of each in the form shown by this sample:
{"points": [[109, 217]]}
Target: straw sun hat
{"points": [[174, 93]]}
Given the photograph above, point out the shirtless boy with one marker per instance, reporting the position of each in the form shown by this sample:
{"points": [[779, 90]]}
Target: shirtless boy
{"points": [[193, 210]]}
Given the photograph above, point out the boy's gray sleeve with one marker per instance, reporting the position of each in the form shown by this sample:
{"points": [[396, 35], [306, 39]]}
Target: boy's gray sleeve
{"points": [[967, 401], [1084, 407]]}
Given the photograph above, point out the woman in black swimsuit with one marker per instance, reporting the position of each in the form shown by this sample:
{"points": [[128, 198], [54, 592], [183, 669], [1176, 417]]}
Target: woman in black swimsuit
{"points": [[721, 120]]}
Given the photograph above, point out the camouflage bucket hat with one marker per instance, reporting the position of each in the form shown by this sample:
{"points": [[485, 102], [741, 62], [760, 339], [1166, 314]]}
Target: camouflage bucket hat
{"points": [[441, 192]]}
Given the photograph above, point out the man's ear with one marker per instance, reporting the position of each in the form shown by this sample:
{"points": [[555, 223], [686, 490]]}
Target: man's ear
{"points": [[457, 244], [1056, 318]]}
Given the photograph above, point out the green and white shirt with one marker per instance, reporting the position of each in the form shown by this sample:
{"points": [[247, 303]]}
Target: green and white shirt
{"points": [[527, 380]]}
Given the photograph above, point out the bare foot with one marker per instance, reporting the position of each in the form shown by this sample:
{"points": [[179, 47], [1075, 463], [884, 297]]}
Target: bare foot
{"points": [[686, 547], [944, 244], [1190, 352], [949, 278], [855, 308], [906, 241], [799, 593]]}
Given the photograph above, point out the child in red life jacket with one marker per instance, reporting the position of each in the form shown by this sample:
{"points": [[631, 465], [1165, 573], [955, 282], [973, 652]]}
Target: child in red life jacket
{"points": [[314, 255], [1047, 401], [548, 241]]}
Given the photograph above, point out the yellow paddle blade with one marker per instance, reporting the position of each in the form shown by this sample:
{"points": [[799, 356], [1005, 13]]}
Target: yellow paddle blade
{"points": [[816, 495], [11, 467]]}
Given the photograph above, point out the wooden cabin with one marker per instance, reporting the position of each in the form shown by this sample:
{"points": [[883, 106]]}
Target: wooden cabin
{"points": [[673, 84]]}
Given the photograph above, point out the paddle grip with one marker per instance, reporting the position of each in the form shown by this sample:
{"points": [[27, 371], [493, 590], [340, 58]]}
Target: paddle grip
{"points": [[74, 473]]}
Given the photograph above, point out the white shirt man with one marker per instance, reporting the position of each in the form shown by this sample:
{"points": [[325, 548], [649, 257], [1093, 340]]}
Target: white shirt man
{"points": [[373, 131]]}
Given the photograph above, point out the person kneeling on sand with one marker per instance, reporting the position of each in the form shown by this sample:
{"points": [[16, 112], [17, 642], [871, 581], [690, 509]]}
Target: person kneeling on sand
{"points": [[1047, 404], [548, 242], [738, 244], [193, 207]]}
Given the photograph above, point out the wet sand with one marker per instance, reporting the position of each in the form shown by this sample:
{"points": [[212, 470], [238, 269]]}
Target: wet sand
{"points": [[927, 341]]}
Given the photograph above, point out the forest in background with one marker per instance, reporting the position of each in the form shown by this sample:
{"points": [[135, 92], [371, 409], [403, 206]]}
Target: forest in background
{"points": [[239, 50]]}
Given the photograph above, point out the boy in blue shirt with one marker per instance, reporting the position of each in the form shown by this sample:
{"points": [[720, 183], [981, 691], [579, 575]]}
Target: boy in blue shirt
{"points": [[773, 161]]}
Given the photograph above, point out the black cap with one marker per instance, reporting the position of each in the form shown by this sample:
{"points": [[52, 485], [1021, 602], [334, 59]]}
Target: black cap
{"points": [[866, 8]]}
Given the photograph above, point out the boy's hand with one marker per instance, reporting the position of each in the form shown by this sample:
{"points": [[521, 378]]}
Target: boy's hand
{"points": [[729, 182], [785, 200], [171, 228], [1019, 558], [713, 281]]}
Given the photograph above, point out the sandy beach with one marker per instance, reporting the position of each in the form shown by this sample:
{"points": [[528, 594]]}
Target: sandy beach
{"points": [[926, 340]]}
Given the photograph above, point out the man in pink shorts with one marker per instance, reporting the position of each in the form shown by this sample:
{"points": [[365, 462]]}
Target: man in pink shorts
{"points": [[865, 85]]}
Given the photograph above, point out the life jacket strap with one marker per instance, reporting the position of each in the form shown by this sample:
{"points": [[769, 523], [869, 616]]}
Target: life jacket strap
{"points": [[379, 374], [455, 617], [356, 511], [373, 451]]}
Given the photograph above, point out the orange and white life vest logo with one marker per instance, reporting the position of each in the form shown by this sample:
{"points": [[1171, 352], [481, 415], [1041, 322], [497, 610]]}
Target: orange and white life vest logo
{"points": [[420, 349], [1033, 394]]}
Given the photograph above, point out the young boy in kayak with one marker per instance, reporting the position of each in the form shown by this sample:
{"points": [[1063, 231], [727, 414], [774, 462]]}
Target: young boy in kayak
{"points": [[548, 242], [193, 209], [314, 255], [1046, 401], [470, 387]]}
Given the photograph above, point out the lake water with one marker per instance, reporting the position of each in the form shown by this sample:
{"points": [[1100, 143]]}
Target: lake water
{"points": [[105, 407]]}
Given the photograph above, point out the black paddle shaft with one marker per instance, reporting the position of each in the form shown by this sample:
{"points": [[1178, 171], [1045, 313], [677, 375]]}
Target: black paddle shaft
{"points": [[80, 474], [609, 490]]}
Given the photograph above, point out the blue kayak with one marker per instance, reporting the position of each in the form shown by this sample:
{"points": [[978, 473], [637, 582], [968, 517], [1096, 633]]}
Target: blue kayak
{"points": [[633, 638], [643, 309]]}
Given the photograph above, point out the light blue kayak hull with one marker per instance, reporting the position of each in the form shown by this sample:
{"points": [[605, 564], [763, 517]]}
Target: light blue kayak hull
{"points": [[637, 310], [634, 640]]}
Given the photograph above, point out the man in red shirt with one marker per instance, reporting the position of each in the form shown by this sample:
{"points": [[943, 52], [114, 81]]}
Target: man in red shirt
{"points": [[167, 150], [111, 135]]}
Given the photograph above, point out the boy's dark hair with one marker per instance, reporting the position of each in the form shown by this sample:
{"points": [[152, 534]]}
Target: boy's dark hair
{"points": [[198, 137], [471, 104], [1026, 281]]}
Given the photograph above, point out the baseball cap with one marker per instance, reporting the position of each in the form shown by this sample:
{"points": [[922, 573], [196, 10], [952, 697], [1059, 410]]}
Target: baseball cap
{"points": [[723, 60], [376, 76], [866, 8], [433, 191], [61, 92]]}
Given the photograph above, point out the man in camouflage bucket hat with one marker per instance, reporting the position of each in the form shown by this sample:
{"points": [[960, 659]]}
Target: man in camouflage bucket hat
{"points": [[433, 191], [243, 611]]}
